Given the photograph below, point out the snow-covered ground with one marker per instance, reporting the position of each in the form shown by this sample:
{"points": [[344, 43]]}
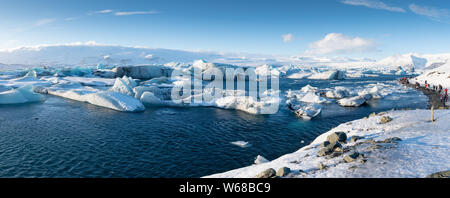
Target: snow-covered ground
{"points": [[424, 148], [436, 76]]}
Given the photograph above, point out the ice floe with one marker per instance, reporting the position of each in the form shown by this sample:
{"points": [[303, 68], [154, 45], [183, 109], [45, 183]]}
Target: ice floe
{"points": [[20, 95]]}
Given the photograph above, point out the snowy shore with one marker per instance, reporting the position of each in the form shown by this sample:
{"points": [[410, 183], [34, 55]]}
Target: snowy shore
{"points": [[407, 146]]}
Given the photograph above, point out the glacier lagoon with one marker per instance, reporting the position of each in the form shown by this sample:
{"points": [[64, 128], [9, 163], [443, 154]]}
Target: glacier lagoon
{"points": [[65, 138]]}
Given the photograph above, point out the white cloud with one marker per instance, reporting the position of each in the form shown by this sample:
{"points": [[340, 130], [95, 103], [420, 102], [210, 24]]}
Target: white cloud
{"points": [[336, 43], [135, 13], [375, 4], [433, 13], [43, 22], [287, 37], [104, 11]]}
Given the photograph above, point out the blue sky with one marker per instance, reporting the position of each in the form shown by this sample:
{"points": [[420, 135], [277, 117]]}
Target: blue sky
{"points": [[347, 28]]}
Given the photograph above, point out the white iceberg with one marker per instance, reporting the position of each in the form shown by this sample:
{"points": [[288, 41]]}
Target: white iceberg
{"points": [[311, 97], [306, 112], [242, 144], [355, 101], [338, 93], [123, 85], [260, 159], [108, 99], [328, 75], [21, 95]]}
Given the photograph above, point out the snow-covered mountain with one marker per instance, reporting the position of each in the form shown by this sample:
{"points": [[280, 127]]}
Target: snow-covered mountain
{"points": [[91, 53], [417, 61]]}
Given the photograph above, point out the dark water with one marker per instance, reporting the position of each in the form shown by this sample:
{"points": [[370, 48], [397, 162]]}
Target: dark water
{"points": [[64, 138]]}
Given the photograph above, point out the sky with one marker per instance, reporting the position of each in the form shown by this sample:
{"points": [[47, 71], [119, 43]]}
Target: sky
{"points": [[324, 28]]}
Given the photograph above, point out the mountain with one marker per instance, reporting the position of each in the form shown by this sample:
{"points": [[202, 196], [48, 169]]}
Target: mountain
{"points": [[418, 61], [91, 54]]}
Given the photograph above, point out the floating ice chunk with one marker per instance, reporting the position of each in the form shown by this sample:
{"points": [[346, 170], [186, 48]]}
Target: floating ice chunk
{"points": [[142, 72], [354, 101], [116, 101], [305, 111], [28, 79], [308, 112], [21, 95], [108, 99], [338, 93], [12, 97], [266, 71], [129, 81], [311, 97], [300, 75], [267, 105], [242, 144], [30, 95], [328, 75], [120, 86], [31, 74], [308, 88], [148, 98], [260, 159]]}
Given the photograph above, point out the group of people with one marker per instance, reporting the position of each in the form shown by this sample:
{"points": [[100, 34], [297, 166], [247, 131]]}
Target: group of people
{"points": [[443, 91], [436, 88]]}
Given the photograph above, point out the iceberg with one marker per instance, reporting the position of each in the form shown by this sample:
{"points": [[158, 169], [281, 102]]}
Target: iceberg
{"points": [[311, 97], [306, 112], [124, 86], [12, 97], [328, 75], [354, 101], [338, 93], [260, 159], [108, 99], [242, 144], [21, 95]]}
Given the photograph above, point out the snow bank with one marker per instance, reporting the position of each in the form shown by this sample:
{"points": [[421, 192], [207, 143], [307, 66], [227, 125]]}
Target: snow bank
{"points": [[423, 149], [437, 76]]}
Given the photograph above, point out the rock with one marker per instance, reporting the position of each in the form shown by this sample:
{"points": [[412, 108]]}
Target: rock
{"points": [[352, 157], [321, 166], [328, 148], [370, 141], [385, 119], [442, 174], [381, 113], [268, 173], [339, 149], [337, 137], [355, 138], [323, 152], [283, 171], [392, 140], [324, 144], [372, 115], [373, 147]]}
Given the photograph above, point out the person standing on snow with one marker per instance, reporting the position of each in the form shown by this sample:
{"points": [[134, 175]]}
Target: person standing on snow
{"points": [[444, 97]]}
